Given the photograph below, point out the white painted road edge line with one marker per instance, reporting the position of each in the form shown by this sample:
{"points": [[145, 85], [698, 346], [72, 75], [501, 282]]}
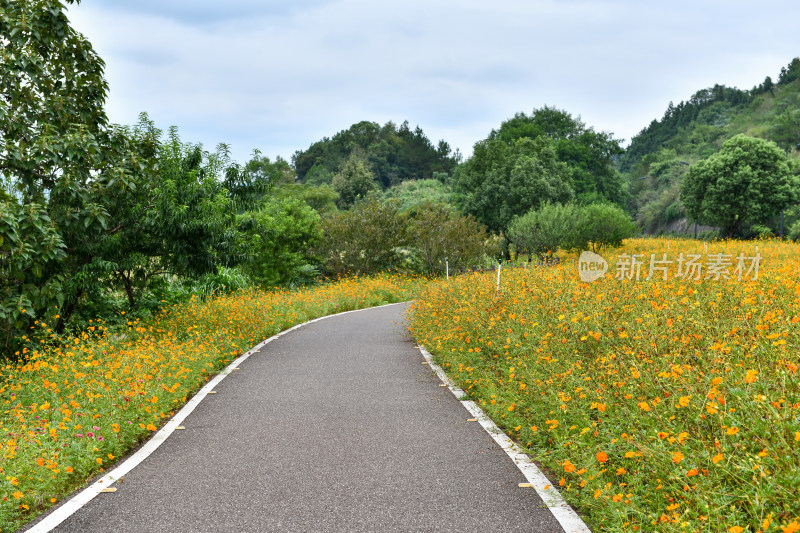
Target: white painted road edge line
{"points": [[72, 505], [561, 510]]}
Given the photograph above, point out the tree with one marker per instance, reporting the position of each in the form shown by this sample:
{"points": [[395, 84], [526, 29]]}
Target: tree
{"points": [[353, 181], [501, 180], [249, 184], [320, 198], [748, 179], [58, 150], [588, 154]]}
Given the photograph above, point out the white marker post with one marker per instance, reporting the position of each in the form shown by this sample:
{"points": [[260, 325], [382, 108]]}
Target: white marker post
{"points": [[499, 267], [447, 269]]}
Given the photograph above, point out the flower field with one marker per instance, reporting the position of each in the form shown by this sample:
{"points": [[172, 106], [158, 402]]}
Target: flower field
{"points": [[668, 404], [68, 412]]}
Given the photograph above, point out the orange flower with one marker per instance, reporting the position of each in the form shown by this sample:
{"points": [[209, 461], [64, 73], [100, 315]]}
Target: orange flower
{"points": [[568, 466], [602, 457], [717, 458], [692, 472], [794, 527], [677, 457]]}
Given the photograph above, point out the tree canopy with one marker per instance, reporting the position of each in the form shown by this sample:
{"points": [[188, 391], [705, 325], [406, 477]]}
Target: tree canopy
{"points": [[748, 179], [588, 154], [503, 180], [393, 154]]}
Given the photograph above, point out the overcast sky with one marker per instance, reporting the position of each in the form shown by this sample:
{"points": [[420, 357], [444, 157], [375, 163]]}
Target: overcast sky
{"points": [[279, 75]]}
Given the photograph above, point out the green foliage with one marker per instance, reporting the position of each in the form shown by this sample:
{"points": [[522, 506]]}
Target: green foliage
{"points": [[794, 231], [602, 225], [657, 213], [367, 238], [278, 238], [588, 154], [353, 181], [501, 180], [248, 185], [320, 198], [749, 179], [543, 231], [224, 281], [437, 232], [708, 106], [762, 231], [413, 193], [28, 242], [785, 129], [393, 154]]}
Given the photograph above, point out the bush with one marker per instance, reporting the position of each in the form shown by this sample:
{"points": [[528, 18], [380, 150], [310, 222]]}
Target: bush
{"points": [[437, 233], [277, 239], [545, 230], [602, 225], [367, 238], [794, 231]]}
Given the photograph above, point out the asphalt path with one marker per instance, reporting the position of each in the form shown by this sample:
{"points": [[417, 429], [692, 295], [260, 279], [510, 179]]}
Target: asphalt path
{"points": [[336, 426]]}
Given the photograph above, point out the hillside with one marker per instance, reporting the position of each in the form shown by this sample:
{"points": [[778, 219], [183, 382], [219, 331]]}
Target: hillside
{"points": [[662, 152]]}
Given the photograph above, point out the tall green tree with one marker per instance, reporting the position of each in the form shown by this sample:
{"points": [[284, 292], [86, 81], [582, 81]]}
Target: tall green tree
{"points": [[57, 149], [501, 180], [588, 154], [748, 179]]}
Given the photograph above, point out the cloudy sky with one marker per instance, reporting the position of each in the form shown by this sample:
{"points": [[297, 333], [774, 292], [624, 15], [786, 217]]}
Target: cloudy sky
{"points": [[277, 75]]}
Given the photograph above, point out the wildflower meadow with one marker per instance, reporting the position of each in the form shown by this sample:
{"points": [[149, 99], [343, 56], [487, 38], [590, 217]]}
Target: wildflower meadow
{"points": [[71, 409], [662, 404]]}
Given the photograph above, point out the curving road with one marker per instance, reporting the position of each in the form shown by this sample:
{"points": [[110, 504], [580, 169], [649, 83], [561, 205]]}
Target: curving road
{"points": [[337, 426]]}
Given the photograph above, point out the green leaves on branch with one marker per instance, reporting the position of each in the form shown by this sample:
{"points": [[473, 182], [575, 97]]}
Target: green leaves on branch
{"points": [[28, 243]]}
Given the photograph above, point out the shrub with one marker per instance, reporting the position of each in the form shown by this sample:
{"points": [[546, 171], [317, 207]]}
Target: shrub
{"points": [[437, 233], [794, 231], [602, 225], [545, 230], [277, 239], [367, 238]]}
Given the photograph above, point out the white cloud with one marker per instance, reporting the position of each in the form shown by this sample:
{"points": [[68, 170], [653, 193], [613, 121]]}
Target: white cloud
{"points": [[280, 75]]}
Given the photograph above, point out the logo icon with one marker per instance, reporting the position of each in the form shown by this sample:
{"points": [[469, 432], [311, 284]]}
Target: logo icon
{"points": [[591, 266]]}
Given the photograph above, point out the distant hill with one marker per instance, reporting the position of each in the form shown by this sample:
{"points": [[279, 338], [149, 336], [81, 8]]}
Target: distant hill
{"points": [[662, 152]]}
